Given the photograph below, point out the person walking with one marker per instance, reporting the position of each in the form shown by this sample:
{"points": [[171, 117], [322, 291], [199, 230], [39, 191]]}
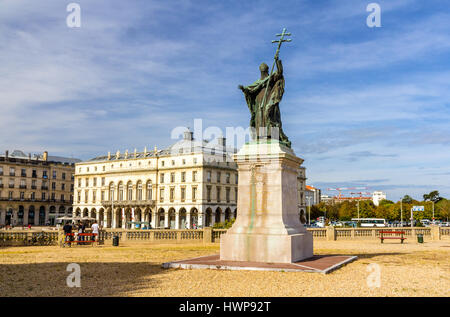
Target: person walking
{"points": [[67, 233], [94, 228]]}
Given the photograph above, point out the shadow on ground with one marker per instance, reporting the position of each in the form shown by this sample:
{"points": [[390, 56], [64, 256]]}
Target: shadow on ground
{"points": [[97, 279]]}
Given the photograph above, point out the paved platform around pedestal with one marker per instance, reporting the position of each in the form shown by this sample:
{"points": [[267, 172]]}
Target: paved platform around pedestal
{"points": [[317, 264]]}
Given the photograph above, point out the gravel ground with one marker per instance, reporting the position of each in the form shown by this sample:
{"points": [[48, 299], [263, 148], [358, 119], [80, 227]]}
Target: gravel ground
{"points": [[408, 269]]}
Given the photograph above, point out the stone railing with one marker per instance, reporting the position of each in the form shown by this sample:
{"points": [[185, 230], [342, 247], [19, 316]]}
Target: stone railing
{"points": [[28, 237], [210, 235]]}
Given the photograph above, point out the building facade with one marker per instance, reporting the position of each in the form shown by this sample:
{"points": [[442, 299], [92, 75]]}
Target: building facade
{"points": [[35, 190], [190, 184], [313, 195], [378, 196]]}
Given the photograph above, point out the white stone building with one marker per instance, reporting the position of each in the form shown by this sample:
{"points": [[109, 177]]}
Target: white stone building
{"points": [[190, 184], [378, 196]]}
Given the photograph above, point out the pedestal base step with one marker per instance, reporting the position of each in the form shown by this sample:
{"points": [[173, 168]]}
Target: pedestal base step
{"points": [[316, 264]]}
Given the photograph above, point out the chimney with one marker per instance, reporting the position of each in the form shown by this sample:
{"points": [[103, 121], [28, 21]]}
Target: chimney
{"points": [[109, 156], [6, 154], [188, 135], [45, 156], [222, 141], [29, 156], [145, 151]]}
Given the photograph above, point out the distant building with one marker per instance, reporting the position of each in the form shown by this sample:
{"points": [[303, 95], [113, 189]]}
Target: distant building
{"points": [[35, 189], [377, 197], [312, 195], [326, 198]]}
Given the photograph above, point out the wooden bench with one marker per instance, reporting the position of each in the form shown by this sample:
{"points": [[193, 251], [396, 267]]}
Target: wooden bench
{"points": [[401, 233], [90, 240]]}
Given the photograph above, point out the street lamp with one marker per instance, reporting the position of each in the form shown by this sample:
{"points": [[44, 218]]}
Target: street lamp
{"points": [[308, 198]]}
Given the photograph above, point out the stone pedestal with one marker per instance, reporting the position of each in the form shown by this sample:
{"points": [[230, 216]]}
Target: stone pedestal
{"points": [[267, 227]]}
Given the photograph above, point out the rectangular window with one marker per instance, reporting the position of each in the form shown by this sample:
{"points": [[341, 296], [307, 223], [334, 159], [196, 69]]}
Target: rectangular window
{"points": [[94, 195], [23, 183], [228, 194], [218, 177], [161, 195], [62, 198], [194, 193], [87, 182], [194, 176], [208, 176], [53, 185], [63, 186], [33, 196], [10, 195], [208, 193], [63, 175], [195, 160], [86, 196], [54, 175], [11, 183], [33, 184], [43, 196], [172, 177], [12, 171], [44, 174], [183, 176], [79, 182], [22, 195], [1, 170], [161, 178], [228, 178], [95, 181], [103, 195], [218, 194], [34, 174], [236, 178], [172, 194], [23, 173], [183, 194], [53, 196], [103, 181]]}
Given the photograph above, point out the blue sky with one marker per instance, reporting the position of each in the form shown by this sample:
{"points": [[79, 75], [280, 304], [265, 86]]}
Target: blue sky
{"points": [[363, 106]]}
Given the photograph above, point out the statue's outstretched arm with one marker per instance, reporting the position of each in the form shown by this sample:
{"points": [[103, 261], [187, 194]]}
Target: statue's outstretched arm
{"points": [[279, 67]]}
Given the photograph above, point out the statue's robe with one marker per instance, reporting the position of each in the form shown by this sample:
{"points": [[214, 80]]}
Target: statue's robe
{"points": [[266, 116]]}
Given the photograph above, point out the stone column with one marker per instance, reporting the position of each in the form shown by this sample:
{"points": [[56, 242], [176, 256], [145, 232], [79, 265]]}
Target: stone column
{"points": [[36, 217], [124, 219], [25, 217], [177, 220], [331, 233], [154, 217], [222, 216], [435, 233], [188, 220], [166, 219], [213, 218]]}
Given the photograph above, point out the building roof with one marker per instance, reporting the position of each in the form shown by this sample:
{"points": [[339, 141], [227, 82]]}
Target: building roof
{"points": [[186, 145], [18, 154]]}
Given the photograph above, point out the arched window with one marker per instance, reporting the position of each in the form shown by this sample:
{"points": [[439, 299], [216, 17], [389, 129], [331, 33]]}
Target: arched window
{"points": [[149, 190], [120, 191], [130, 191], [139, 191]]}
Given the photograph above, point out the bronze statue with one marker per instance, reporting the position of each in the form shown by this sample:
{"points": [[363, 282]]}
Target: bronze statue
{"points": [[263, 98]]}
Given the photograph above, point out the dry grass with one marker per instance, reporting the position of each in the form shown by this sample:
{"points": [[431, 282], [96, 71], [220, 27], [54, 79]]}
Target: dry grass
{"points": [[135, 270]]}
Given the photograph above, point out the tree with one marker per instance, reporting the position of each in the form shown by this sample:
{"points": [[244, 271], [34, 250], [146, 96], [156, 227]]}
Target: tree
{"points": [[407, 199], [432, 196], [443, 208]]}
